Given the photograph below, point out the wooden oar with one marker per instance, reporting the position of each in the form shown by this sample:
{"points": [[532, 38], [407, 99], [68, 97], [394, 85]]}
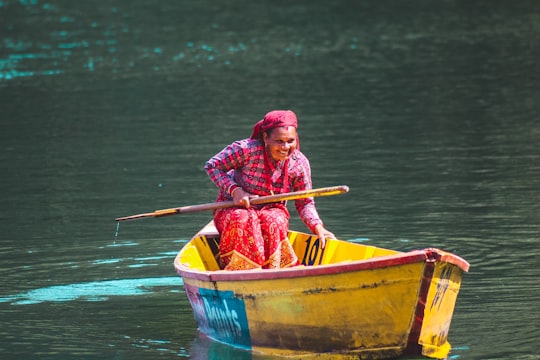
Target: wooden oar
{"points": [[327, 191]]}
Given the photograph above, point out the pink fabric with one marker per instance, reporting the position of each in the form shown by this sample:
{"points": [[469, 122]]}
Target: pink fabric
{"points": [[242, 164]]}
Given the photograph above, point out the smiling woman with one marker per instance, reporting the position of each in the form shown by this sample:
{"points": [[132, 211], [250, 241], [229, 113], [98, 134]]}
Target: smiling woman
{"points": [[281, 142], [268, 162]]}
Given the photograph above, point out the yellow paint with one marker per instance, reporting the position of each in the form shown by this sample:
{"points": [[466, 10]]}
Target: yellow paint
{"points": [[442, 296], [360, 309], [192, 258]]}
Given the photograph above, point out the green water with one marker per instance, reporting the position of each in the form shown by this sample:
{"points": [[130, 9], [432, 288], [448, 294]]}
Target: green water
{"points": [[427, 110]]}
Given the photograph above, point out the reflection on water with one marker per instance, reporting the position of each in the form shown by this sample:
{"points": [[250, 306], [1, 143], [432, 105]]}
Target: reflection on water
{"points": [[93, 291]]}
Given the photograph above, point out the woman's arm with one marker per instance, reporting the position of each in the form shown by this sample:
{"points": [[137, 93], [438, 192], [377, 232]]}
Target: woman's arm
{"points": [[219, 165]]}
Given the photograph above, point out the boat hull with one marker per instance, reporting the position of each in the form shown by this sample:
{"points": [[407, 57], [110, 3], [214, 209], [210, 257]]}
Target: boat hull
{"points": [[377, 308]]}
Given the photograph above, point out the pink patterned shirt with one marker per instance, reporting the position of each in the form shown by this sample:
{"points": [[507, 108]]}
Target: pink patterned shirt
{"points": [[242, 164]]}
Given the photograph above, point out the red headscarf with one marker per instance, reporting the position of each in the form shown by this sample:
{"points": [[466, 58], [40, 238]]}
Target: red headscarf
{"points": [[274, 119]]}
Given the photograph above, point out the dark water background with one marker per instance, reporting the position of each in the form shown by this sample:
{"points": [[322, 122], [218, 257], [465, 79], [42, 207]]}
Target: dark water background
{"points": [[428, 110]]}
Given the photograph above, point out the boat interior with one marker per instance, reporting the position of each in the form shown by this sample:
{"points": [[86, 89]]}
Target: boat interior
{"points": [[202, 252]]}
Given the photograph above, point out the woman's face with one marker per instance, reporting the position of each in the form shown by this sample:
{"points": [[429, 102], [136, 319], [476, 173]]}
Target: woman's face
{"points": [[280, 142]]}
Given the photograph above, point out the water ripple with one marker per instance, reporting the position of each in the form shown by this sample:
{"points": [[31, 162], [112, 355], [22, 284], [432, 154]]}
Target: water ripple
{"points": [[93, 291]]}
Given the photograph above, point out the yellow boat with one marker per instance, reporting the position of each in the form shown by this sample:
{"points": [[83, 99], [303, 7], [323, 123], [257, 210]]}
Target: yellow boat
{"points": [[346, 300]]}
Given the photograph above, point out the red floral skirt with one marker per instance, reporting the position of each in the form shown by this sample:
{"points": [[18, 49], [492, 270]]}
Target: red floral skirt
{"points": [[254, 238]]}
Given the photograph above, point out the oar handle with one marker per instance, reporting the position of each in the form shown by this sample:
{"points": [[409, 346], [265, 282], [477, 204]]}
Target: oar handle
{"points": [[326, 191]]}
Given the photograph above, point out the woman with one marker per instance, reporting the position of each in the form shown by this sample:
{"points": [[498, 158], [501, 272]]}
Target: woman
{"points": [[269, 162]]}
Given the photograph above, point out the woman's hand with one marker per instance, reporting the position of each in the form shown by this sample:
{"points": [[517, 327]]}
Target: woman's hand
{"points": [[323, 234], [241, 197]]}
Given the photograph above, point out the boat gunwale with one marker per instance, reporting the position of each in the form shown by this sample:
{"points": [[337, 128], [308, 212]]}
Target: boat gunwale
{"points": [[414, 256]]}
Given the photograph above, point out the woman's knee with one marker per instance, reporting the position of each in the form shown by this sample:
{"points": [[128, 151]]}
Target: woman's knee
{"points": [[275, 216], [240, 217]]}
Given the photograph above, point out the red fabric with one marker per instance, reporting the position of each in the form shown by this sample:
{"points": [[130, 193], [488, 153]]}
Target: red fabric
{"points": [[270, 169], [274, 119], [254, 238]]}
